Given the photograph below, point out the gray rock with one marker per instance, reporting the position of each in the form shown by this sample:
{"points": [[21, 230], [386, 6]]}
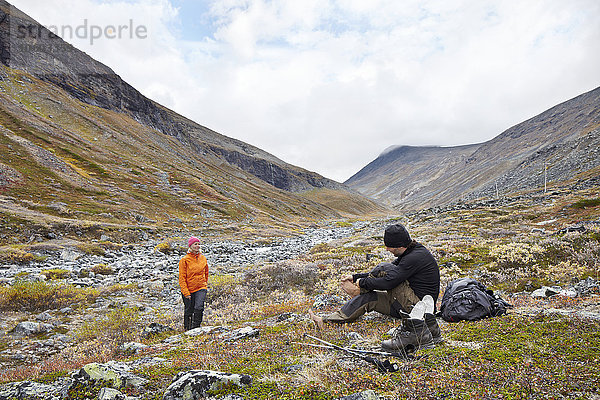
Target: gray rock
{"points": [[239, 334], [545, 291], [110, 394], [195, 383], [203, 330], [155, 329], [45, 316], [366, 395], [116, 374], [587, 287], [27, 390], [28, 328], [173, 339], [70, 255], [133, 347]]}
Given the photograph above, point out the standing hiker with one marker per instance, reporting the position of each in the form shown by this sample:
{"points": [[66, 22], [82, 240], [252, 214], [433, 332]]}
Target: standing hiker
{"points": [[193, 279], [393, 288]]}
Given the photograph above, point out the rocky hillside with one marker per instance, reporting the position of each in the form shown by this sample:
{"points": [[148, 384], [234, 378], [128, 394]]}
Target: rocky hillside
{"points": [[83, 151], [564, 139]]}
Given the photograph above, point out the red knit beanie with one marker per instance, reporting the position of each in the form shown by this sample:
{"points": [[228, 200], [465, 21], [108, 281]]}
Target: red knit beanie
{"points": [[192, 240]]}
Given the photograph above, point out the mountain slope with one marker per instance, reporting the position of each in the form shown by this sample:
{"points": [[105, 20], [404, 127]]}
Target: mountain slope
{"points": [[82, 149], [564, 138], [49, 58]]}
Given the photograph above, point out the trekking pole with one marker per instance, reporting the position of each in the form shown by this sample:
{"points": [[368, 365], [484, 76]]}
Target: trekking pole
{"points": [[382, 366], [379, 353]]}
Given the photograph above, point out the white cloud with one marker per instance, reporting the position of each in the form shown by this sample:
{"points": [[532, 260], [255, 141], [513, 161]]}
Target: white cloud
{"points": [[328, 85]]}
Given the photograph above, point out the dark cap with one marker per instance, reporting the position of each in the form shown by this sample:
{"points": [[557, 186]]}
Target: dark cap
{"points": [[396, 236]]}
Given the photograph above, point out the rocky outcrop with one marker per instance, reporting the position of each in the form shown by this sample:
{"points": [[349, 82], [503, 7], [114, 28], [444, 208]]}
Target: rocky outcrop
{"points": [[194, 384], [114, 374], [28, 390]]}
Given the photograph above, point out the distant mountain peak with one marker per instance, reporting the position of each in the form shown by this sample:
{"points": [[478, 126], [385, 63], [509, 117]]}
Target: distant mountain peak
{"points": [[565, 137]]}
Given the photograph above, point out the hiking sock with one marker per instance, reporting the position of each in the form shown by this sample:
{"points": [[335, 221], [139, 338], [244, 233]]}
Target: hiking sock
{"points": [[418, 310], [429, 304]]}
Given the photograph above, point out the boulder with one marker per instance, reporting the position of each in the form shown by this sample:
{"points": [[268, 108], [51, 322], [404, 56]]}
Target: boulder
{"points": [[195, 383], [70, 255], [155, 329], [27, 390], [111, 394], [366, 395], [587, 287], [545, 291], [133, 347], [115, 374], [239, 334], [44, 316], [28, 328], [203, 330]]}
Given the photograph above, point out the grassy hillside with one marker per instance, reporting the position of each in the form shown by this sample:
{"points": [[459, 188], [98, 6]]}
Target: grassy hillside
{"points": [[71, 166]]}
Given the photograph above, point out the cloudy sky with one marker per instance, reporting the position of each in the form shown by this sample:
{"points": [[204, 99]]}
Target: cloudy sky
{"points": [[329, 84]]}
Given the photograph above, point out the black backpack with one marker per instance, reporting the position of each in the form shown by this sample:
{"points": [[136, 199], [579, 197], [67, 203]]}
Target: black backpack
{"points": [[469, 300]]}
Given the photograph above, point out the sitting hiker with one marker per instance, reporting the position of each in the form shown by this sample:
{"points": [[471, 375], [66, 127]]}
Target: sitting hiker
{"points": [[390, 288]]}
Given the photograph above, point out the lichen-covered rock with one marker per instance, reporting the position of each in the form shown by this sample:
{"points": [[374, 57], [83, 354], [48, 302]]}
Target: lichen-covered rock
{"points": [[27, 390], [133, 347], [194, 384], [117, 375], [111, 394], [203, 330], [366, 395]]}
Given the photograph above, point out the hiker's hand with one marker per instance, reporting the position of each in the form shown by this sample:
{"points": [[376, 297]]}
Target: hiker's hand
{"points": [[188, 297], [347, 278], [350, 288]]}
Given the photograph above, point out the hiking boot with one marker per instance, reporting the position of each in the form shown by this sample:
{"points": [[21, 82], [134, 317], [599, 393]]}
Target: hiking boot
{"points": [[411, 335], [434, 328]]}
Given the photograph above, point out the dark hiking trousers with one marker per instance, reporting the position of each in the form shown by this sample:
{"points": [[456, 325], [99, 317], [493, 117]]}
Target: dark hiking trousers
{"points": [[193, 309], [397, 303]]}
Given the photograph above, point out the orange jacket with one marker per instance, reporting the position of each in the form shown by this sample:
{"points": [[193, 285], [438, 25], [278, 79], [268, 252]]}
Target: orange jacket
{"points": [[193, 273]]}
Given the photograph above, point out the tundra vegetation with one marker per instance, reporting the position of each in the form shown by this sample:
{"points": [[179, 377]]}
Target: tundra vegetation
{"points": [[544, 348]]}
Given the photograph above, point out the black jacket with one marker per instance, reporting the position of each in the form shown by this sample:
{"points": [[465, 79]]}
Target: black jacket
{"points": [[416, 265]]}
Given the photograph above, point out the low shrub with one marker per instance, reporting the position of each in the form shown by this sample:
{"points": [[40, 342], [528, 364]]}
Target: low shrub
{"points": [[89, 248], [321, 248], [31, 296], [586, 203], [102, 269], [56, 273], [221, 287], [121, 326], [164, 247], [15, 256], [283, 275]]}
